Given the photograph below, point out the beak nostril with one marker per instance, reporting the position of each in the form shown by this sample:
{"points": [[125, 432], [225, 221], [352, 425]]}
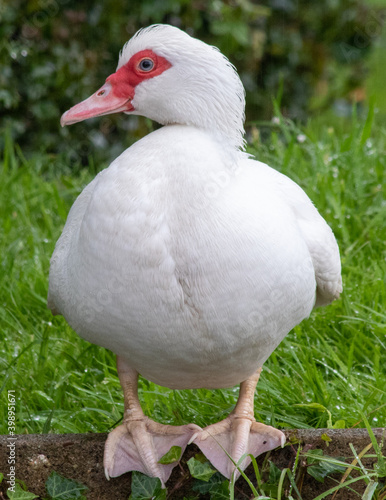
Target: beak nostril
{"points": [[103, 101]]}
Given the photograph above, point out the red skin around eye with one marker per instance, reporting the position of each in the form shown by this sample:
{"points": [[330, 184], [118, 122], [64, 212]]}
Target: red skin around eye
{"points": [[130, 75], [117, 93]]}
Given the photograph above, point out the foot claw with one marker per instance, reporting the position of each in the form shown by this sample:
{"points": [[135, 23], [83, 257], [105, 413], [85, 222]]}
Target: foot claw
{"points": [[195, 435], [139, 445], [236, 437]]}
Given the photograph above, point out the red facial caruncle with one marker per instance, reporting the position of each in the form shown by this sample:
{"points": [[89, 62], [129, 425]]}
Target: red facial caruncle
{"points": [[119, 89]]}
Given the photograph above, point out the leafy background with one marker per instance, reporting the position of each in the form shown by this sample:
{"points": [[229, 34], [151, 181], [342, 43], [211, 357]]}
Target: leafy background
{"points": [[325, 65], [313, 55]]}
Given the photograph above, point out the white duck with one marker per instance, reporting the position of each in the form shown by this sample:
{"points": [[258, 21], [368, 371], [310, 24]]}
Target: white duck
{"points": [[185, 257]]}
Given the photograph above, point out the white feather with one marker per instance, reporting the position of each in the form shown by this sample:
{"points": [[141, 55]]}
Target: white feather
{"points": [[201, 80], [185, 257]]}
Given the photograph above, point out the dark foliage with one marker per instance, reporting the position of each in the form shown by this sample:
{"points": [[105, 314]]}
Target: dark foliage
{"points": [[57, 52]]}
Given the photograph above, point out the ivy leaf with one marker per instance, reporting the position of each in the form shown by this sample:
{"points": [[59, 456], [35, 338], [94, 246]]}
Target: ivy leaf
{"points": [[20, 494], [274, 473], [61, 488], [319, 469], [204, 487], [316, 454], [332, 468], [146, 488], [200, 457], [173, 455], [325, 437], [202, 471], [221, 491], [340, 424], [317, 473]]}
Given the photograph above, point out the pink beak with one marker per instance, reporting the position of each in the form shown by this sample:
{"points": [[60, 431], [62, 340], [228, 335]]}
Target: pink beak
{"points": [[103, 102]]}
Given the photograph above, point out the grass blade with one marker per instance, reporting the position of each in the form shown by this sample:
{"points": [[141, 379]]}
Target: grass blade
{"points": [[340, 486], [353, 464], [366, 132], [371, 487]]}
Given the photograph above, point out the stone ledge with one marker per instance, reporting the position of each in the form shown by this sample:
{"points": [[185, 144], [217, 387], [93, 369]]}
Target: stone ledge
{"points": [[79, 457]]}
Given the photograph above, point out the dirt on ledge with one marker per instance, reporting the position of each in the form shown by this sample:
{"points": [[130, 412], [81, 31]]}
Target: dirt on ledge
{"points": [[80, 457]]}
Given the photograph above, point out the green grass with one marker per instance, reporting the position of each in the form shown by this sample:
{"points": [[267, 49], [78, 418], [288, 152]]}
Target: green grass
{"points": [[335, 359]]}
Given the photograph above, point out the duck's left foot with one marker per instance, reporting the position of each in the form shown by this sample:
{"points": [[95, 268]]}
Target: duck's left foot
{"points": [[138, 445], [238, 434]]}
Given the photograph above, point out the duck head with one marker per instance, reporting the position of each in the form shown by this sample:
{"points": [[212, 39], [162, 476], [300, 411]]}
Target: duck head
{"points": [[172, 78]]}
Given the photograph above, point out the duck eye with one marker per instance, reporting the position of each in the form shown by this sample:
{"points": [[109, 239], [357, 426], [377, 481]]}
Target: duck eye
{"points": [[146, 65]]}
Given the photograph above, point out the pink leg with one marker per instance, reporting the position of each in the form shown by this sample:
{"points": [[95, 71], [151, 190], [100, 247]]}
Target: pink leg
{"points": [[139, 443], [238, 434]]}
